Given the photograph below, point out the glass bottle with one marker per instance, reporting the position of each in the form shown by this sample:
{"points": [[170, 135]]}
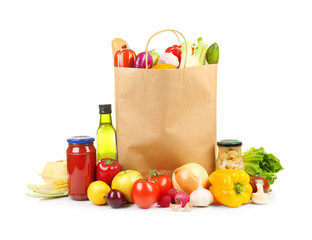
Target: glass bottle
{"points": [[106, 135]]}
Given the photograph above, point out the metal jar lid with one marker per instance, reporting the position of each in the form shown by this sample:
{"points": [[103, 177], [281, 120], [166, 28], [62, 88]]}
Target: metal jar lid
{"points": [[80, 139], [229, 143]]}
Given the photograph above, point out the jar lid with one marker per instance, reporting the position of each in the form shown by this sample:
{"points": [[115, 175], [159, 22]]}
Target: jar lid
{"points": [[229, 143], [80, 139]]}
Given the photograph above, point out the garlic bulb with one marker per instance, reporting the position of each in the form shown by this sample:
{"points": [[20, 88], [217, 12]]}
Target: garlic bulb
{"points": [[201, 197]]}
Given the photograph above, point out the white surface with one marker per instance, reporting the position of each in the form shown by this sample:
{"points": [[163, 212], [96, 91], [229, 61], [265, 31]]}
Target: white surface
{"points": [[56, 67]]}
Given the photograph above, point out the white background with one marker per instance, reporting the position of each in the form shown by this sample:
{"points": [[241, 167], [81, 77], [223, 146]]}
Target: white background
{"points": [[56, 67]]}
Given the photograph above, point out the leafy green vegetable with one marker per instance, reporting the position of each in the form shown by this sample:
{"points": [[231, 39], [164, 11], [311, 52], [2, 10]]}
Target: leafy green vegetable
{"points": [[196, 59], [259, 163]]}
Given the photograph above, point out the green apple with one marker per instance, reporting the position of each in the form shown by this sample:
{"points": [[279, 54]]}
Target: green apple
{"points": [[155, 56], [124, 181]]}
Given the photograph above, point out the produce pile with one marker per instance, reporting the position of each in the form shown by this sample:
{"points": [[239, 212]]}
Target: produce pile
{"points": [[192, 54], [239, 178], [190, 185]]}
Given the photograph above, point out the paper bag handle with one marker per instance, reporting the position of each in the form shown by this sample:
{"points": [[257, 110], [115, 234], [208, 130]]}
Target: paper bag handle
{"points": [[166, 30]]}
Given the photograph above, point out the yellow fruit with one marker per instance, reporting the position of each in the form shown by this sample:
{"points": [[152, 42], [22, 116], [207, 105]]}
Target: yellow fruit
{"points": [[97, 191], [124, 181], [163, 66]]}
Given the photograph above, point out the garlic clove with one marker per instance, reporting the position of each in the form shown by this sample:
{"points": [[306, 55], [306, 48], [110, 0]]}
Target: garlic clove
{"points": [[188, 207], [175, 207]]}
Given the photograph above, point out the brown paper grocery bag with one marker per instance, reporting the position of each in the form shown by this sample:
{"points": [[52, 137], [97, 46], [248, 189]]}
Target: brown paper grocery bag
{"points": [[166, 118]]}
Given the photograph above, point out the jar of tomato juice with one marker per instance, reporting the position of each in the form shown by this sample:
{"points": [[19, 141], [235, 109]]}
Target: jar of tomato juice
{"points": [[81, 166]]}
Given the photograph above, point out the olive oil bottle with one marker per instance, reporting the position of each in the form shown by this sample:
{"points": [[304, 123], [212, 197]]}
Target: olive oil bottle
{"points": [[106, 135]]}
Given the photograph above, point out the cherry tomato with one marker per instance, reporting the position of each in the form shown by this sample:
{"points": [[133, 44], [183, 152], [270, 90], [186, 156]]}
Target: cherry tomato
{"points": [[144, 193], [162, 180], [124, 57], [254, 180]]}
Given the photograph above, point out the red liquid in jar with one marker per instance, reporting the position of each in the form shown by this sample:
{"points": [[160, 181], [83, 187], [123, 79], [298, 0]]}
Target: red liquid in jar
{"points": [[81, 168]]}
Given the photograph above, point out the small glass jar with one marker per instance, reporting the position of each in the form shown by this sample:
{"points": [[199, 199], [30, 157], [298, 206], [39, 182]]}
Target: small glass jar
{"points": [[81, 166], [230, 155]]}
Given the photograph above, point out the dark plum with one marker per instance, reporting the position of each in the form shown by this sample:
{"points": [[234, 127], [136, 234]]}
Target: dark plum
{"points": [[115, 198]]}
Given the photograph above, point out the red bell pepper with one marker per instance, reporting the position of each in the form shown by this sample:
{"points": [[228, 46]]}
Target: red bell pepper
{"points": [[106, 170]]}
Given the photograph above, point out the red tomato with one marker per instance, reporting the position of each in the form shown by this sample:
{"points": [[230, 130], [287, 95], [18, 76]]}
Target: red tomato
{"points": [[162, 180], [124, 57], [144, 193]]}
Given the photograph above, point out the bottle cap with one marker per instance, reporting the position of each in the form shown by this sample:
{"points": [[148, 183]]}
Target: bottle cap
{"points": [[105, 109], [80, 139], [229, 143]]}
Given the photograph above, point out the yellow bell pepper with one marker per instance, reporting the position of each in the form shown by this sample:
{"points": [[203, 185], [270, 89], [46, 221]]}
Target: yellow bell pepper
{"points": [[230, 187]]}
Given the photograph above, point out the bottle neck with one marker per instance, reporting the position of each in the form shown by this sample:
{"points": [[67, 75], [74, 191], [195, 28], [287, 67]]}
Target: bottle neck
{"points": [[105, 118]]}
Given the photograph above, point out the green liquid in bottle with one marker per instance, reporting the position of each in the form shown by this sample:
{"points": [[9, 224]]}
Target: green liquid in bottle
{"points": [[106, 135]]}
